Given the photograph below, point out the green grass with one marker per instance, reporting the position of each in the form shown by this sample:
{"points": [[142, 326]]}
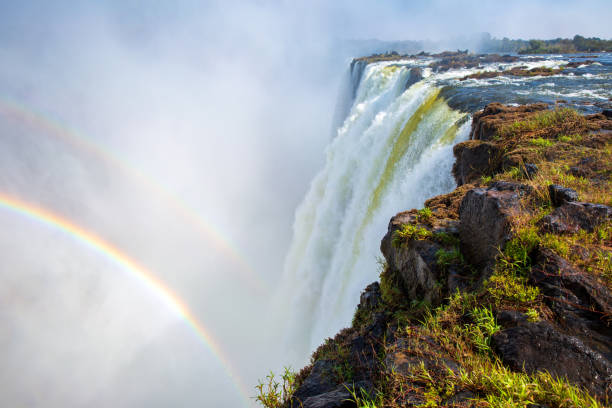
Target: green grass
{"points": [[275, 393], [445, 257], [424, 215], [540, 142], [409, 232]]}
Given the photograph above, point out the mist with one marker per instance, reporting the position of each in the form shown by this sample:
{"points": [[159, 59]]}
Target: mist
{"points": [[183, 134]]}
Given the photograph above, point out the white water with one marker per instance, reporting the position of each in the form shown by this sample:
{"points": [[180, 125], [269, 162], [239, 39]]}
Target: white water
{"points": [[392, 152]]}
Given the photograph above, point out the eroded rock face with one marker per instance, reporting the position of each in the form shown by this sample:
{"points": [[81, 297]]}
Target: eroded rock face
{"points": [[572, 216], [487, 122], [560, 195], [415, 75], [415, 262], [485, 225], [339, 397], [582, 306], [319, 381], [539, 346], [474, 159]]}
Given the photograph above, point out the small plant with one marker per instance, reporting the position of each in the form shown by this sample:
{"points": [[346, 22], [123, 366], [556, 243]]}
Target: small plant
{"points": [[483, 328], [532, 315], [570, 138], [446, 239], [557, 244], [517, 253], [275, 394], [485, 179], [444, 257], [540, 142], [515, 173], [362, 398], [424, 215], [504, 287], [409, 232]]}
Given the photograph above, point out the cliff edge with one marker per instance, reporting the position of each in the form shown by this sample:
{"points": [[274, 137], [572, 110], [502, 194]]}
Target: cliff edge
{"points": [[496, 294]]}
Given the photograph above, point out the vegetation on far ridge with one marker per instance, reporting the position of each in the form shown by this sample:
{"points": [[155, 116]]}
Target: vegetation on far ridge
{"points": [[577, 44]]}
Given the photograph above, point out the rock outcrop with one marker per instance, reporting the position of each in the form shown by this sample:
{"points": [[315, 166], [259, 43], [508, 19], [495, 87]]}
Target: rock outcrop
{"points": [[485, 222], [534, 347], [509, 264]]}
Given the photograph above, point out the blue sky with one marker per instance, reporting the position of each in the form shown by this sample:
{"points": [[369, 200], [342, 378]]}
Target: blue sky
{"points": [[390, 20]]}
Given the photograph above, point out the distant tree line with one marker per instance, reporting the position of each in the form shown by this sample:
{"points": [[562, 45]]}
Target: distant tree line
{"points": [[556, 46]]}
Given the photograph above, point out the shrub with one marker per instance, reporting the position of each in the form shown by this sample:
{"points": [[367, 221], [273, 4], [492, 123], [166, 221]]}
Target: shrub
{"points": [[275, 394], [409, 232]]}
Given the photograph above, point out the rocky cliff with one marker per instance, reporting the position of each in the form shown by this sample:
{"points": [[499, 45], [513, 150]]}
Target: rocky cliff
{"points": [[497, 294]]}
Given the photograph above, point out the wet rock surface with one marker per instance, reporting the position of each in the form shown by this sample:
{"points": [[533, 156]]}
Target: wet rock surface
{"points": [[572, 216], [318, 382], [560, 195], [485, 226], [474, 159], [539, 346], [582, 306], [487, 122]]}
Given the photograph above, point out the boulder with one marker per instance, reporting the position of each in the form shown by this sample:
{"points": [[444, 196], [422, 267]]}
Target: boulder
{"points": [[560, 195], [402, 359], [571, 216], [539, 346], [582, 307], [487, 122], [529, 170], [319, 381], [339, 397], [415, 75], [416, 265], [485, 223], [474, 159], [415, 261], [370, 298]]}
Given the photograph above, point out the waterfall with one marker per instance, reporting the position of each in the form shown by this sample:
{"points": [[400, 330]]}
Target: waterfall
{"points": [[392, 151]]}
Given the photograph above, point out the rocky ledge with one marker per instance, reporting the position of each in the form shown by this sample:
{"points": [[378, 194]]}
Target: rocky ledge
{"points": [[496, 294]]}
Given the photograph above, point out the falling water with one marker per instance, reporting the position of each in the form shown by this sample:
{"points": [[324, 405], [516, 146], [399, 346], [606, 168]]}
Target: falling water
{"points": [[391, 153]]}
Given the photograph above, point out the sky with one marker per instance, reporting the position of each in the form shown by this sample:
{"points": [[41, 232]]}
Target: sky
{"points": [[184, 134]]}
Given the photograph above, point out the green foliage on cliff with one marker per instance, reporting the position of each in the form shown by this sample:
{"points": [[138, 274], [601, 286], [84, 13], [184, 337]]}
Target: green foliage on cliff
{"points": [[410, 232]]}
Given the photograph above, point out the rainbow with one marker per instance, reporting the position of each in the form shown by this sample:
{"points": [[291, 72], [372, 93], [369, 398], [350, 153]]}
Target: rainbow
{"points": [[80, 143], [125, 262]]}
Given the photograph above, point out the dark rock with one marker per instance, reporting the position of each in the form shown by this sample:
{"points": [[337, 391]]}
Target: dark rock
{"points": [[415, 262], [460, 398], [581, 305], [510, 318], [529, 170], [474, 159], [560, 195], [485, 225], [521, 189], [557, 225], [401, 359], [319, 381], [415, 75], [457, 280], [607, 113], [340, 397], [370, 298], [538, 346], [572, 216], [487, 122]]}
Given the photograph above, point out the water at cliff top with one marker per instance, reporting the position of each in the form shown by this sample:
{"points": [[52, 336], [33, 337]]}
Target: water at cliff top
{"points": [[392, 149]]}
